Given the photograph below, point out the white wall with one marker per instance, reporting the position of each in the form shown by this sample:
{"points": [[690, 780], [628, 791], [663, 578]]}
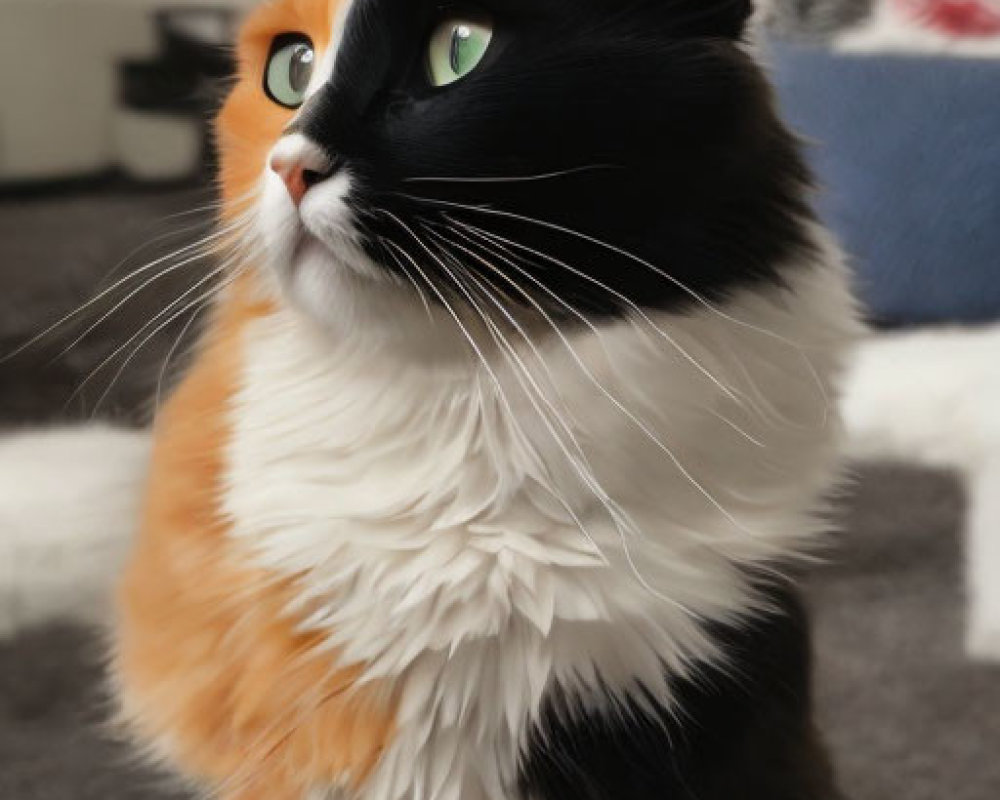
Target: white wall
{"points": [[58, 80]]}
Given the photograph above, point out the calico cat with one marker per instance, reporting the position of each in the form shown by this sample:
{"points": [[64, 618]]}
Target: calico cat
{"points": [[519, 398]]}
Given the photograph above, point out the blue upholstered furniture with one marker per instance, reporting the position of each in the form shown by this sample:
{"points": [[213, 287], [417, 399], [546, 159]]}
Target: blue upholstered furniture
{"points": [[908, 152]]}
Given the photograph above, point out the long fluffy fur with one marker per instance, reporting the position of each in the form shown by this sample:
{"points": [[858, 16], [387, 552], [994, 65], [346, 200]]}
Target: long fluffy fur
{"points": [[495, 450], [435, 549]]}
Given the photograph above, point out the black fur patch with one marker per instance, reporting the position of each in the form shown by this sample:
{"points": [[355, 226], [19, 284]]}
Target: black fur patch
{"points": [[681, 179], [741, 733]]}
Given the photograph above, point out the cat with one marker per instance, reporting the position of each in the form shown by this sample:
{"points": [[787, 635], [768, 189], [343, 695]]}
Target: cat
{"points": [[517, 403]]}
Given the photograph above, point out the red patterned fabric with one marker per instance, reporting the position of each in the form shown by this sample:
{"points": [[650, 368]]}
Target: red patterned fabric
{"points": [[957, 17]]}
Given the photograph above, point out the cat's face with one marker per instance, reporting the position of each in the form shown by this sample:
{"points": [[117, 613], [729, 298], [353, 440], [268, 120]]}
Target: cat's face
{"points": [[559, 157]]}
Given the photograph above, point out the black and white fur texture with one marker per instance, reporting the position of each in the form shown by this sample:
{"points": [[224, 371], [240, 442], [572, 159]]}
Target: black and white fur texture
{"points": [[550, 402], [594, 442]]}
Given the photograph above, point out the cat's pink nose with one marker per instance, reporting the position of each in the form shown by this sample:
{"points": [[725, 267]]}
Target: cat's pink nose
{"points": [[301, 165]]}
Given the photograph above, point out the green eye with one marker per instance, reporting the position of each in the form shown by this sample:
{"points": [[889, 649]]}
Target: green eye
{"points": [[457, 46], [289, 70]]}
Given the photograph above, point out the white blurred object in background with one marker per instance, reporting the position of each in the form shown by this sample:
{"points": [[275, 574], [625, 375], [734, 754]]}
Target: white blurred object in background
{"points": [[69, 501], [933, 397], [915, 27]]}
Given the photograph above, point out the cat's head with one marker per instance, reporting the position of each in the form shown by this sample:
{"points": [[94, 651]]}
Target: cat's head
{"points": [[548, 157]]}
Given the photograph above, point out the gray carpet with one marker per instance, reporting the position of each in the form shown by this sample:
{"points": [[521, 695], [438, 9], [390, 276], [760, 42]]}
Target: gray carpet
{"points": [[56, 252], [906, 714]]}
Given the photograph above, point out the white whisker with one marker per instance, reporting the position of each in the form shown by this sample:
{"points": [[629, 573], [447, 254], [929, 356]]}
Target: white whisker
{"points": [[161, 378], [633, 418], [409, 275], [511, 417], [514, 179], [150, 242], [197, 302], [166, 310], [121, 303], [632, 306], [696, 296], [614, 511], [584, 472], [520, 373], [194, 246], [451, 311]]}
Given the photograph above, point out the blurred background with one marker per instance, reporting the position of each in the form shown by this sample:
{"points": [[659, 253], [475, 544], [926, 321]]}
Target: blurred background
{"points": [[106, 170], [105, 152]]}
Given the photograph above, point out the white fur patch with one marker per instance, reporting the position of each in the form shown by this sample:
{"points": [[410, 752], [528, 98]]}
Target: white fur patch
{"points": [[69, 500], [447, 540]]}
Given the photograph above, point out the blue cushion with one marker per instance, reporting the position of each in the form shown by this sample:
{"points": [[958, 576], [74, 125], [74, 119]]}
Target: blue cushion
{"points": [[908, 154]]}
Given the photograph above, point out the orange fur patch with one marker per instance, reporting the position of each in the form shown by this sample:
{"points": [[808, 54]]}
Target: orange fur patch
{"points": [[250, 123], [211, 666]]}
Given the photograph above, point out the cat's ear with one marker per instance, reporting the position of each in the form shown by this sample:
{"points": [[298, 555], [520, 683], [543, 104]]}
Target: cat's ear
{"points": [[719, 18]]}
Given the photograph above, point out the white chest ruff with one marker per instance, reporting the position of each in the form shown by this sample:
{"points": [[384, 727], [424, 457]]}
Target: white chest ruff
{"points": [[477, 562]]}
